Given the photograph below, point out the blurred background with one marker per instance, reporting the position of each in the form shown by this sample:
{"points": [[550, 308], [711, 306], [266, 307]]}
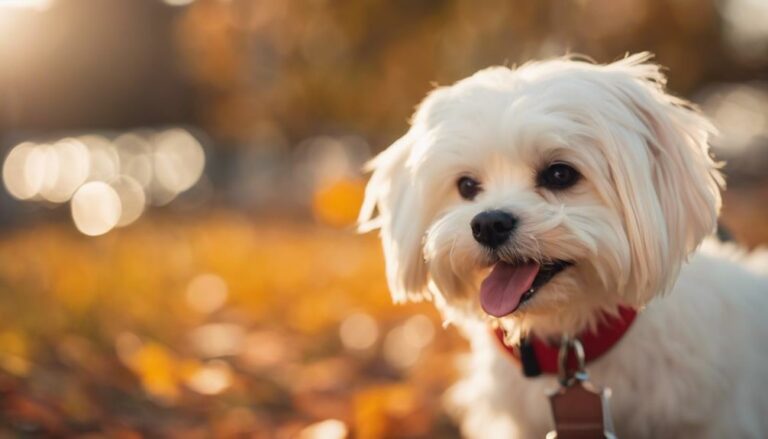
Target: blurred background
{"points": [[180, 180]]}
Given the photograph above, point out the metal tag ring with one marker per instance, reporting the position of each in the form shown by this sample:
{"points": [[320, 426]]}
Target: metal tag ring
{"points": [[581, 373]]}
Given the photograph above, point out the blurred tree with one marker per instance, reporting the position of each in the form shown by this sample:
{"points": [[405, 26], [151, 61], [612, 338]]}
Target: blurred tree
{"points": [[275, 69]]}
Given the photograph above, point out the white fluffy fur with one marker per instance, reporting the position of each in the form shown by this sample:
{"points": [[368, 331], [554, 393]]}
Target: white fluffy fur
{"points": [[695, 362]]}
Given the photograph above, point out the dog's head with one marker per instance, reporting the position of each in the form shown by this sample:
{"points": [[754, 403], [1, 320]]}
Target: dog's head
{"points": [[545, 193]]}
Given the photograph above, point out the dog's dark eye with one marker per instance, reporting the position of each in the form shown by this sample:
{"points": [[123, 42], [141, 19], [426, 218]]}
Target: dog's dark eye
{"points": [[558, 176], [468, 187]]}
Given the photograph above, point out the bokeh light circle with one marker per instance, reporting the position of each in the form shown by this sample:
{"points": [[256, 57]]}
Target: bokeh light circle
{"points": [[104, 162], [133, 200], [206, 292], [96, 208], [135, 154], [67, 166], [15, 176], [211, 378], [358, 331], [35, 167], [179, 160]]}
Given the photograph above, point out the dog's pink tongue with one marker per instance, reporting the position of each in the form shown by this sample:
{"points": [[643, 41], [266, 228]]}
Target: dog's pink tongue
{"points": [[501, 291]]}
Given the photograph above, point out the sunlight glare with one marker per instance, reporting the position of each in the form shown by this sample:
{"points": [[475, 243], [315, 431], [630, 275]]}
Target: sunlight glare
{"points": [[39, 5]]}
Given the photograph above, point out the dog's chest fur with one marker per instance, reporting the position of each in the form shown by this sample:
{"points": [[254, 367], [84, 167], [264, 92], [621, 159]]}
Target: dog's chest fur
{"points": [[693, 365]]}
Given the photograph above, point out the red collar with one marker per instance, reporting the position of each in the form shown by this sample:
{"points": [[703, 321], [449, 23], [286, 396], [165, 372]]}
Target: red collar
{"points": [[536, 356]]}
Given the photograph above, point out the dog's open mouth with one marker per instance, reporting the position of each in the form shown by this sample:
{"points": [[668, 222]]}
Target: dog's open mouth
{"points": [[510, 285]]}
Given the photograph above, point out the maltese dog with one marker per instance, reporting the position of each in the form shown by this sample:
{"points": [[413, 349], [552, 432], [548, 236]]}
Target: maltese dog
{"points": [[560, 198]]}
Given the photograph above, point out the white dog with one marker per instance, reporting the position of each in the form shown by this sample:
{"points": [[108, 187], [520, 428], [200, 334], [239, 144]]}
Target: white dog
{"points": [[544, 199]]}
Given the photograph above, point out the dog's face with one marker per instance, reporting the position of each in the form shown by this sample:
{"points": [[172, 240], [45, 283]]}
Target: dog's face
{"points": [[544, 194]]}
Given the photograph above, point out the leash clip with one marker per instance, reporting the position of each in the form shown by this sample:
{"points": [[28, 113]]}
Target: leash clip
{"points": [[566, 377]]}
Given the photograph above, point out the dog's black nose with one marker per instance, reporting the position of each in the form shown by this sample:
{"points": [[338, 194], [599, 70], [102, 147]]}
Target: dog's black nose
{"points": [[493, 227]]}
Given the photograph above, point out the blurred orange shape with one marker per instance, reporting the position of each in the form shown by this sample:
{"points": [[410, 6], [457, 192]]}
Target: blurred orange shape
{"points": [[13, 342], [313, 313], [157, 368], [337, 203], [14, 365], [13, 353], [390, 411]]}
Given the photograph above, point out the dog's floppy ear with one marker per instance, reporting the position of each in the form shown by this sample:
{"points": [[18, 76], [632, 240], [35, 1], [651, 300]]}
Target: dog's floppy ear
{"points": [[393, 203], [664, 227]]}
